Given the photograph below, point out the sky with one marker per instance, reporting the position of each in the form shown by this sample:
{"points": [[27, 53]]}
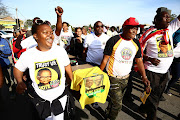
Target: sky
{"points": [[84, 12]]}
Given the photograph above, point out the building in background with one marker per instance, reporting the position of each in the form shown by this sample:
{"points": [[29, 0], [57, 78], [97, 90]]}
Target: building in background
{"points": [[8, 22]]}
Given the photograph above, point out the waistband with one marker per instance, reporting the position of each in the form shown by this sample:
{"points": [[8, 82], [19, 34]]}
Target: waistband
{"points": [[121, 77]]}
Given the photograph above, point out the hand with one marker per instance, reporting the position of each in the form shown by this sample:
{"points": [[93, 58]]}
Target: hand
{"points": [[59, 11], [148, 89], [154, 61], [146, 81], [21, 87], [147, 84], [79, 39], [23, 31]]}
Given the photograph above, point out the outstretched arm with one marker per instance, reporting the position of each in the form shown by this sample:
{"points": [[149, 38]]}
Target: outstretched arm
{"points": [[145, 80], [59, 12]]}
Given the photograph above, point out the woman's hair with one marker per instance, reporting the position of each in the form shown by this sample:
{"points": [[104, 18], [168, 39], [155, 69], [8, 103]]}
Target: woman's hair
{"points": [[35, 27], [65, 23], [78, 28]]}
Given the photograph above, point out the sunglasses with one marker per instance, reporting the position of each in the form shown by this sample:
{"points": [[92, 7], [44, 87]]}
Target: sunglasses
{"points": [[40, 22], [98, 26]]}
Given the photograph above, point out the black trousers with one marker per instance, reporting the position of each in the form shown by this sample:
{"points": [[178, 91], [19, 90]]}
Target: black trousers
{"points": [[158, 83]]}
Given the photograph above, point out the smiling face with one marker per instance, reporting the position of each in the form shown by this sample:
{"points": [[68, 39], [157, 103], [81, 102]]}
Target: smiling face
{"points": [[163, 47], [129, 32], [44, 77], [65, 27], [84, 31], [89, 82], [98, 28], [44, 37]]}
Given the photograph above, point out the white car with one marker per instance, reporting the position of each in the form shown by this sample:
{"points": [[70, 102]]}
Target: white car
{"points": [[3, 34], [10, 32]]}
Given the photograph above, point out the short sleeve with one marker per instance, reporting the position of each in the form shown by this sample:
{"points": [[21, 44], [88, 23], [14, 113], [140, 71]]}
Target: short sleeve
{"points": [[85, 45], [110, 44], [56, 38], [66, 60], [22, 63]]}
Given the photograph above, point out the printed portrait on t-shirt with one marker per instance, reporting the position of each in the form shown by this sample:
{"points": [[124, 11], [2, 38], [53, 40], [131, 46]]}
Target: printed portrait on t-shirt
{"points": [[94, 85], [164, 49], [47, 74], [66, 39]]}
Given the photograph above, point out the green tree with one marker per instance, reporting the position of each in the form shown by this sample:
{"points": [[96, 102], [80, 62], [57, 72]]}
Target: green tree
{"points": [[173, 16], [3, 9], [53, 27], [28, 23]]}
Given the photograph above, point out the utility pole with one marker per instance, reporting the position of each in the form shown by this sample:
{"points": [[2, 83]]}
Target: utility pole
{"points": [[17, 19]]}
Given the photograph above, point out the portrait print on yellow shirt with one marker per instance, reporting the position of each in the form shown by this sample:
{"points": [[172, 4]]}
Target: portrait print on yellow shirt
{"points": [[94, 85], [164, 49], [47, 74]]}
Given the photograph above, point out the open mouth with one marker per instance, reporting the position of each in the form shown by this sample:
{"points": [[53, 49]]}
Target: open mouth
{"points": [[50, 41]]}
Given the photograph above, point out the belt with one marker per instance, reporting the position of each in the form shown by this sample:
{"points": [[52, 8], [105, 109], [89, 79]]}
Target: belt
{"points": [[121, 77]]}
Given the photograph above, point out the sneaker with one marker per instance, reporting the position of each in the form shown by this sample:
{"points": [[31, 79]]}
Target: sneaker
{"points": [[168, 93], [162, 98]]}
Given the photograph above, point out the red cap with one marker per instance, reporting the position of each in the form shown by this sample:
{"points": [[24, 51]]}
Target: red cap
{"points": [[131, 21]]}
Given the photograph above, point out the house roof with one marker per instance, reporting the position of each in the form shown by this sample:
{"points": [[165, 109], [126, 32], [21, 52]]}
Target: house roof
{"points": [[6, 18]]}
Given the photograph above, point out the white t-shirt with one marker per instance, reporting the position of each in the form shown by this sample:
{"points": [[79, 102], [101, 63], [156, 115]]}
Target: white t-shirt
{"points": [[154, 49], [84, 36], [30, 42], [122, 53], [45, 66], [114, 33], [64, 39], [95, 47]]}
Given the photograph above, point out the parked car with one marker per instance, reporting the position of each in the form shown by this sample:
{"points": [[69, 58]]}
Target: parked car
{"points": [[4, 34], [10, 32]]}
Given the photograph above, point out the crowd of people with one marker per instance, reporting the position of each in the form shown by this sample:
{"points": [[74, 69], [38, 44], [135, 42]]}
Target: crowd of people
{"points": [[42, 66]]}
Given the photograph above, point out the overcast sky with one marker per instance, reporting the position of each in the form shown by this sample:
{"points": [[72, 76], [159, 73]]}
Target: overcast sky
{"points": [[85, 12]]}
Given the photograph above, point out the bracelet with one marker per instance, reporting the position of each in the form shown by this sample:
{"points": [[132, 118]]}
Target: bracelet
{"points": [[144, 77]]}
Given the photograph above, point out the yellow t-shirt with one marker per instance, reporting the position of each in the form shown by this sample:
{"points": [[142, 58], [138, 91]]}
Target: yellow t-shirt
{"points": [[93, 84]]}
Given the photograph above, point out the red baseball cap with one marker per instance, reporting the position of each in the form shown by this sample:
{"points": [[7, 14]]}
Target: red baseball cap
{"points": [[131, 21]]}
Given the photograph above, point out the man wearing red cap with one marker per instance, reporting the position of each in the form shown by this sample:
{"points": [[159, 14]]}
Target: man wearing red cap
{"points": [[119, 53]]}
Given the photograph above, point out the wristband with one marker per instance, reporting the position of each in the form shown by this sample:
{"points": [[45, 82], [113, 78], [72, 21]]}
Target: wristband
{"points": [[144, 77]]}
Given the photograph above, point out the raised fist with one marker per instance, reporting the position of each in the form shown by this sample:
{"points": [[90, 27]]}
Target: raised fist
{"points": [[59, 10]]}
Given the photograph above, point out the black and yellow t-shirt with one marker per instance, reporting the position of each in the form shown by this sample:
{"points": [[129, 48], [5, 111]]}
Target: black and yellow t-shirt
{"points": [[122, 53]]}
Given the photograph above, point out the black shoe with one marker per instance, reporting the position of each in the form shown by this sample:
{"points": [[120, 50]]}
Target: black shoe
{"points": [[141, 112], [162, 98], [12, 95]]}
